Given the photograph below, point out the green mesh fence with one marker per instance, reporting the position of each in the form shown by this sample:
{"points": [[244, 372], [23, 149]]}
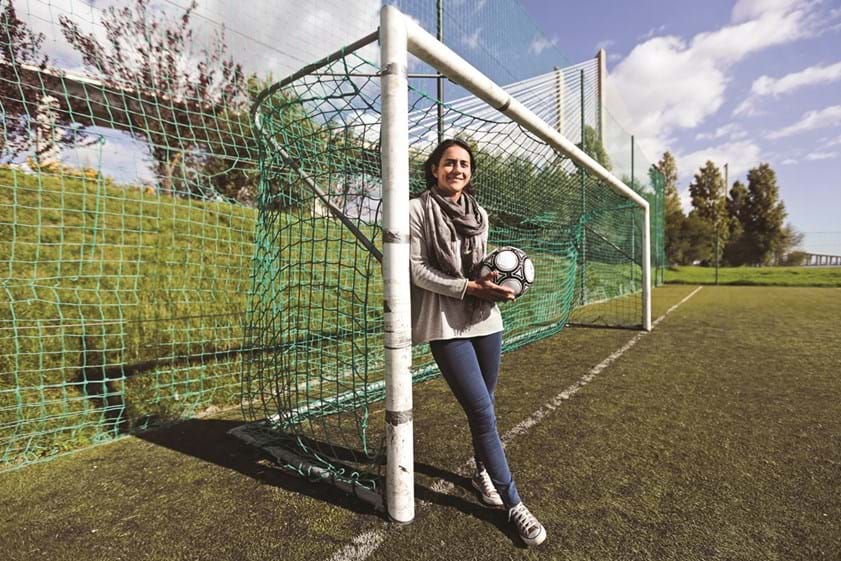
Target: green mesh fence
{"points": [[122, 303], [128, 217], [315, 308]]}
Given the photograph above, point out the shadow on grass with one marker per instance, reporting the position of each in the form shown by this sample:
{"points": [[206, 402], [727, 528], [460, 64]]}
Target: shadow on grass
{"points": [[208, 440], [496, 517]]}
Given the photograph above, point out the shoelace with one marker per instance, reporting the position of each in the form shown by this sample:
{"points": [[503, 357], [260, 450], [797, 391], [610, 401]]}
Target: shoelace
{"points": [[487, 485], [524, 519]]}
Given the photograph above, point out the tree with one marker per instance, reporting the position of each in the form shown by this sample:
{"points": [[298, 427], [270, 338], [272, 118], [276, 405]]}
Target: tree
{"points": [[594, 147], [764, 216], [736, 252], [21, 102], [786, 251], [675, 217], [145, 52], [698, 239], [707, 192]]}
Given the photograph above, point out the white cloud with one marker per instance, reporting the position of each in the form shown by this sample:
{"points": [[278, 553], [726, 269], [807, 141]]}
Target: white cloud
{"points": [[669, 83], [768, 86], [747, 108], [811, 76], [789, 162], [652, 32], [477, 4], [832, 141], [272, 43], [822, 156], [289, 34], [118, 155], [732, 131], [472, 40], [540, 44], [44, 18], [605, 44], [750, 9], [823, 118]]}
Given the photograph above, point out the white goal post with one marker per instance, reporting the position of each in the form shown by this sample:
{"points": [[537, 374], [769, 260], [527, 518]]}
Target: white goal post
{"points": [[399, 35]]}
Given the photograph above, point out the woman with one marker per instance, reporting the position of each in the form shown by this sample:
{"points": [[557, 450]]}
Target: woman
{"points": [[456, 312]]}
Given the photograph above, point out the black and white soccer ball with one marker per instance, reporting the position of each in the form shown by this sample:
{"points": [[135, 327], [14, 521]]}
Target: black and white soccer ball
{"points": [[515, 268]]}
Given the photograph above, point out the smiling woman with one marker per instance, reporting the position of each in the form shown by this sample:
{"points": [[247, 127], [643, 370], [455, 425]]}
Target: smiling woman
{"points": [[452, 169], [454, 310]]}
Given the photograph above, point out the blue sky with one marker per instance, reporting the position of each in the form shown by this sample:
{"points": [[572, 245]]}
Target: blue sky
{"points": [[740, 82]]}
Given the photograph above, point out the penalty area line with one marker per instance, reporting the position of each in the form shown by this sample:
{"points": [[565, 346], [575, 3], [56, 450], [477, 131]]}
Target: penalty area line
{"points": [[367, 543]]}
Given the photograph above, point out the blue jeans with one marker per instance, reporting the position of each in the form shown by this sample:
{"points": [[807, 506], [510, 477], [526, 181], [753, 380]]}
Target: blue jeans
{"points": [[471, 368]]}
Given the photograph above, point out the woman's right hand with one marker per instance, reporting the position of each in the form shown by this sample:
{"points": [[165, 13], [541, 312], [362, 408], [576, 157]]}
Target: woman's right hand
{"points": [[486, 289]]}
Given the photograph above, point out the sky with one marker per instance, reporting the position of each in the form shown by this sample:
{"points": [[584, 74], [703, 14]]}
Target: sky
{"points": [[742, 83]]}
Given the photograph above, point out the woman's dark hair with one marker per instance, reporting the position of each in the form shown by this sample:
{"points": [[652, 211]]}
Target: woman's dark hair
{"points": [[435, 158]]}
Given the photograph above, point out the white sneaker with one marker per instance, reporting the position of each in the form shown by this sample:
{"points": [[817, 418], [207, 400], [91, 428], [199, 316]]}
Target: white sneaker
{"points": [[482, 483], [531, 531]]}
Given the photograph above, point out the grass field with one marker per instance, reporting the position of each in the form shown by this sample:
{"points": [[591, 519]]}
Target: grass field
{"points": [[717, 436], [110, 307], [756, 276]]}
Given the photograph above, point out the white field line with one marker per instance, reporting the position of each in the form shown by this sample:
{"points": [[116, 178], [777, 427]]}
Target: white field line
{"points": [[366, 543], [362, 546]]}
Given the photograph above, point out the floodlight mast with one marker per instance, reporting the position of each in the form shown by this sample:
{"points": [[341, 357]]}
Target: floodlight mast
{"points": [[399, 36]]}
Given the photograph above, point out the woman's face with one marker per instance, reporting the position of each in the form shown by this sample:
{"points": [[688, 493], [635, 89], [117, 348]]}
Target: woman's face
{"points": [[453, 172]]}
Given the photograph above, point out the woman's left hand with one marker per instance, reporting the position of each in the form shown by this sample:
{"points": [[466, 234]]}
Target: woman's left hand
{"points": [[486, 289]]}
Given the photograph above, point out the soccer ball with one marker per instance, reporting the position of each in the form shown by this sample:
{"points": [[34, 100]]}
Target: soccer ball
{"points": [[515, 268]]}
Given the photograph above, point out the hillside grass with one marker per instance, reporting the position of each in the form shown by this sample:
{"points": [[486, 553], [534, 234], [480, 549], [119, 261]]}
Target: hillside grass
{"points": [[118, 309], [756, 276]]}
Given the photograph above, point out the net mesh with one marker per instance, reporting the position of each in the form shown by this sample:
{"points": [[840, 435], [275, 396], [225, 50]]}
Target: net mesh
{"points": [[127, 220], [315, 308], [111, 315]]}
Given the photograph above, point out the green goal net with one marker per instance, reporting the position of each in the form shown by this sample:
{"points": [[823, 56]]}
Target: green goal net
{"points": [[315, 317], [143, 274]]}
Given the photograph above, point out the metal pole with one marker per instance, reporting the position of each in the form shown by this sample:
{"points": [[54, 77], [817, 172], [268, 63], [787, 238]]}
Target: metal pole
{"points": [[559, 100], [400, 472], [601, 60], [440, 37], [583, 196], [718, 225], [633, 220], [646, 269]]}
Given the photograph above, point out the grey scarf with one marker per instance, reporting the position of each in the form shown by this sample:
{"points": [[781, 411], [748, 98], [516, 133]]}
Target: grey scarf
{"points": [[448, 221]]}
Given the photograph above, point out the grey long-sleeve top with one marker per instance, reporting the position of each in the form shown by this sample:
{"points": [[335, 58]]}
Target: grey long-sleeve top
{"points": [[439, 310]]}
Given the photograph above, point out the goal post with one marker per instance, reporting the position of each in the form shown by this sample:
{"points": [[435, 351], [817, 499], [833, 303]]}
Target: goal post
{"points": [[400, 492], [342, 144], [399, 35], [439, 56]]}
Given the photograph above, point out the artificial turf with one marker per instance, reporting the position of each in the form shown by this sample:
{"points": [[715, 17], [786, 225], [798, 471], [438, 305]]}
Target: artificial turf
{"points": [[717, 436]]}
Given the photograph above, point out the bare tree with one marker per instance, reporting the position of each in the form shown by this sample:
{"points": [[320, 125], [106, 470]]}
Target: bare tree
{"points": [[20, 101], [199, 93]]}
